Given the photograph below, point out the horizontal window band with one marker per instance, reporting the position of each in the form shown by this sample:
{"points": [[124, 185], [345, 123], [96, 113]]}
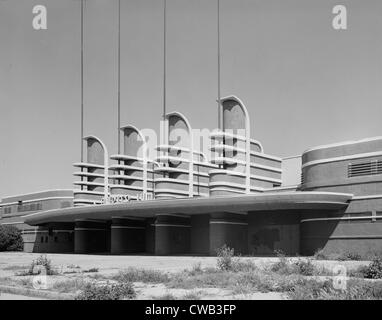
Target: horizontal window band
{"points": [[228, 222], [172, 215], [89, 229], [46, 231], [342, 158], [89, 220], [36, 200], [34, 232], [129, 218], [171, 225], [127, 227]]}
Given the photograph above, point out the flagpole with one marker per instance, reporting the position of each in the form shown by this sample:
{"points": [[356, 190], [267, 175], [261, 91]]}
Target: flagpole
{"points": [[82, 80], [218, 60], [119, 77], [164, 72]]}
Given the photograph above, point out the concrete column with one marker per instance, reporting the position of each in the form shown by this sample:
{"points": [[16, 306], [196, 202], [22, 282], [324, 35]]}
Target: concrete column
{"points": [[172, 234], [90, 236], [127, 235], [150, 236], [200, 234], [60, 237], [228, 229]]}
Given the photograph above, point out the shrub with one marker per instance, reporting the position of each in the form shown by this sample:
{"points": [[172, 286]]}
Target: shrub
{"points": [[46, 263], [225, 258], [107, 291], [305, 267], [141, 275], [311, 290], [69, 285], [166, 296], [91, 270], [282, 266], [10, 239], [356, 290], [41, 261], [191, 296], [373, 270], [350, 256], [243, 266], [320, 255]]}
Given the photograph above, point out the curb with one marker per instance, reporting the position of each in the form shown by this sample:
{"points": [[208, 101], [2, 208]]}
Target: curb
{"points": [[45, 294]]}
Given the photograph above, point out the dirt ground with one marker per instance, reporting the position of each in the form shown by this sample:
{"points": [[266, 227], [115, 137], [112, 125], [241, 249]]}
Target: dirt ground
{"points": [[12, 262]]}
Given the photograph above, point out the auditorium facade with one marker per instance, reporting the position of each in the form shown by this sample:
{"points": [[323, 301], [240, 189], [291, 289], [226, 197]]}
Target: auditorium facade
{"points": [[183, 202]]}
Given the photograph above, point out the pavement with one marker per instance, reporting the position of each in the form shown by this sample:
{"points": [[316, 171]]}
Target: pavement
{"points": [[107, 264], [10, 296]]}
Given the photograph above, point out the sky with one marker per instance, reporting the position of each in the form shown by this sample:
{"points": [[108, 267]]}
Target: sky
{"points": [[304, 83]]}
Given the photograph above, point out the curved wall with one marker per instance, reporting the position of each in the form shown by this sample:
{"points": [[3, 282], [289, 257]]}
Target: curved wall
{"points": [[350, 167]]}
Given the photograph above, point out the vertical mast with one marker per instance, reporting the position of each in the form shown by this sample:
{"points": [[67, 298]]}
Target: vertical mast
{"points": [[164, 61], [218, 52], [119, 77], [82, 80], [164, 127]]}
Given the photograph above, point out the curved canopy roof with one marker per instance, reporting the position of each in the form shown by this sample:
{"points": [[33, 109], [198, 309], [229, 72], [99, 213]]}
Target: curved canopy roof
{"points": [[192, 206]]}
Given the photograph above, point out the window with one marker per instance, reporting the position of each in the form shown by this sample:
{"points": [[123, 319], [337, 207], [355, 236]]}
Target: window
{"points": [[7, 210], [42, 239], [367, 168], [34, 206]]}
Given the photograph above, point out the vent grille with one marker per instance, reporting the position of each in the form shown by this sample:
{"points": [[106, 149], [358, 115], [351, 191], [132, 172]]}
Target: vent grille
{"points": [[368, 168]]}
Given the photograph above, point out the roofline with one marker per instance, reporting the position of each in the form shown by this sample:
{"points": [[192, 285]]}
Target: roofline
{"points": [[31, 193], [245, 202], [325, 146]]}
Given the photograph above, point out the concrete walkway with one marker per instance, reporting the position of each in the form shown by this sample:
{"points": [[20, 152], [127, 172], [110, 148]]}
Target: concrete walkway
{"points": [[9, 296]]}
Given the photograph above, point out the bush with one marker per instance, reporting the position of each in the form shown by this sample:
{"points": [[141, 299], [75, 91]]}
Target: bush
{"points": [[356, 290], [286, 267], [305, 267], [107, 291], [311, 290], [350, 256], [320, 255], [35, 267], [282, 266], [225, 258], [91, 270], [141, 275], [10, 239], [373, 270]]}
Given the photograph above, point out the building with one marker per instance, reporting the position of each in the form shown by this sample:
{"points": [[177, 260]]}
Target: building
{"points": [[13, 210], [182, 202]]}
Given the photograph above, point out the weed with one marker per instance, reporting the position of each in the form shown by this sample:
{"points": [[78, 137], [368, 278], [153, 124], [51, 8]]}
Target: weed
{"points": [[191, 296], [141, 275], [167, 296], [225, 257], [119, 291], [91, 270]]}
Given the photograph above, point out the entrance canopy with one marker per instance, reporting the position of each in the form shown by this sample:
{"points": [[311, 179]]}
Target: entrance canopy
{"points": [[192, 206]]}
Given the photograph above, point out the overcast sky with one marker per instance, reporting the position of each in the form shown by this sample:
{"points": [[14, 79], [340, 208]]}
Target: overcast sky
{"points": [[303, 82]]}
